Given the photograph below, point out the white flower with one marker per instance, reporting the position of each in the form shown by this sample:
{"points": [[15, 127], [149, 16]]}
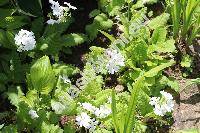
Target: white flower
{"points": [[65, 79], [162, 105], [52, 21], [103, 111], [89, 107], [116, 60], [33, 114], [84, 120], [25, 40], [70, 6], [58, 11]]}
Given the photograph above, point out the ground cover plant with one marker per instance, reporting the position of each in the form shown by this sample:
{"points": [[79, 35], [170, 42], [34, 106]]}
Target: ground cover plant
{"points": [[106, 66]]}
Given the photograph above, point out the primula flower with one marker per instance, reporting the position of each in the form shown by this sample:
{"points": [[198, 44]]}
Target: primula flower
{"points": [[33, 114], [162, 105], [84, 120], [116, 60], [59, 12], [70, 6], [88, 107], [25, 40], [103, 111]]}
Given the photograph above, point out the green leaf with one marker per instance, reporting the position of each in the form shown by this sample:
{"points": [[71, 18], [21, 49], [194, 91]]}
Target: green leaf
{"points": [[143, 103], [153, 72], [57, 28], [101, 22], [114, 112], [42, 75], [3, 2], [63, 69], [110, 37], [50, 128], [63, 103], [9, 129], [5, 13], [73, 39], [14, 95], [13, 22], [94, 13], [3, 39], [137, 86], [37, 26], [33, 9], [159, 21], [159, 35], [186, 61]]}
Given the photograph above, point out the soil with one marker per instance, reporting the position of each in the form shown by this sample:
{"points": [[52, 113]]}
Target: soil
{"points": [[186, 113]]}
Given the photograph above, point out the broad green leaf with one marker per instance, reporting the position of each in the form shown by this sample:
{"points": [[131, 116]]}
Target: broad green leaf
{"points": [[42, 75], [159, 35], [33, 9], [159, 21], [13, 22], [37, 26], [73, 39]]}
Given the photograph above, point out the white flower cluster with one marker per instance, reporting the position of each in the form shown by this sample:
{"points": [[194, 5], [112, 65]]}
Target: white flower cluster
{"points": [[102, 112], [116, 60], [84, 120], [162, 105], [89, 107], [59, 11], [33, 114], [25, 40]]}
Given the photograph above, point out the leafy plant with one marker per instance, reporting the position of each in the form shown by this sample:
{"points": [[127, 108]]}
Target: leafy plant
{"points": [[185, 18]]}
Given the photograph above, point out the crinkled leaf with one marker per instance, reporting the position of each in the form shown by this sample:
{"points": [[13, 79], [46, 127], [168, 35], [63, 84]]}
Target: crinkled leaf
{"points": [[50, 128], [159, 21], [159, 35]]}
